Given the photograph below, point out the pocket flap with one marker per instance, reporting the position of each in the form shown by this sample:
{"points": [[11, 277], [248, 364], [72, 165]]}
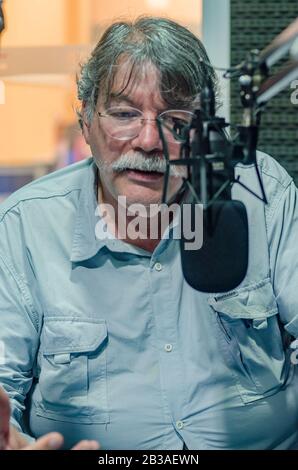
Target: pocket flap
{"points": [[65, 335], [256, 301]]}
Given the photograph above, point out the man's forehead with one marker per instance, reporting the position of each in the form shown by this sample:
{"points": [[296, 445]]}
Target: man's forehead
{"points": [[134, 83], [131, 80]]}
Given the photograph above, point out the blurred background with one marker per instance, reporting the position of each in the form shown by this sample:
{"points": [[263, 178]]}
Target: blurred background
{"points": [[44, 41], [41, 47]]}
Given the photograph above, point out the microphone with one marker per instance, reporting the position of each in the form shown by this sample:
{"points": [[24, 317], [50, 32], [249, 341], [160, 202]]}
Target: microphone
{"points": [[221, 263]]}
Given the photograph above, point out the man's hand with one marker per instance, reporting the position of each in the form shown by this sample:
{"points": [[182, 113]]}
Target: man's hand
{"points": [[11, 439]]}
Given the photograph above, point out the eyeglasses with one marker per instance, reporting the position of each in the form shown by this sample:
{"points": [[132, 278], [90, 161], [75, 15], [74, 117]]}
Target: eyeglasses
{"points": [[125, 123]]}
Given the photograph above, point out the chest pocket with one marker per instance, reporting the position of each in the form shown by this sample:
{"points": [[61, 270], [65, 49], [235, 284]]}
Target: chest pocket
{"points": [[72, 382], [252, 341]]}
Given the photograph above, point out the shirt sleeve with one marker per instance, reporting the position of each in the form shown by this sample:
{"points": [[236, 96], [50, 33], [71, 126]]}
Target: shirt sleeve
{"points": [[19, 339], [282, 229]]}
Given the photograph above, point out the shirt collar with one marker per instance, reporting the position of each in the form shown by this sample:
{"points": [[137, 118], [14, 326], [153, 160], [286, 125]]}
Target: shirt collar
{"points": [[85, 245], [90, 232]]}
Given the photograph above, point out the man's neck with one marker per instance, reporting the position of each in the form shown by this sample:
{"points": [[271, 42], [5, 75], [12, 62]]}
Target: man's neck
{"points": [[125, 227]]}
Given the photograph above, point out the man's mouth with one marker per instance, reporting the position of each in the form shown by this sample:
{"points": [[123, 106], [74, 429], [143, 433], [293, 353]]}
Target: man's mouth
{"points": [[145, 176]]}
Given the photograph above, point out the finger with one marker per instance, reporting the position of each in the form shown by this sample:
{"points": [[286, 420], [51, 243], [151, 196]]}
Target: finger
{"points": [[86, 445], [51, 441], [4, 418]]}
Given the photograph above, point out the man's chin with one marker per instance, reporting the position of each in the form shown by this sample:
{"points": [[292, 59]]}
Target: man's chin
{"points": [[146, 197], [146, 202]]}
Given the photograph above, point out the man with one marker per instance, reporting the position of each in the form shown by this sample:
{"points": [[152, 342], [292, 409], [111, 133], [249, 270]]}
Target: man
{"points": [[103, 338]]}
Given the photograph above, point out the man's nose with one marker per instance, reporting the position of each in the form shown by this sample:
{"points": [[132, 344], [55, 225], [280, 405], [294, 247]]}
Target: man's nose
{"points": [[148, 138]]}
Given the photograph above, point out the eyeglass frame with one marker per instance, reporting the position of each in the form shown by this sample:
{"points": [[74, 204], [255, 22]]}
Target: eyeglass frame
{"points": [[142, 119]]}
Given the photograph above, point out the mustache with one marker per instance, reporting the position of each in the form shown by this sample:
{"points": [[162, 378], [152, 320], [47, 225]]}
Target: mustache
{"points": [[138, 161]]}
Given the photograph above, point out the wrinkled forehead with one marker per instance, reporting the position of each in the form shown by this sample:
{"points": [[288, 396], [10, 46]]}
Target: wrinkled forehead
{"points": [[130, 79]]}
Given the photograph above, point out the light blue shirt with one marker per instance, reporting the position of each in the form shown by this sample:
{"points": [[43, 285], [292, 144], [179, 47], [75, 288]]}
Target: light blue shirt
{"points": [[108, 342]]}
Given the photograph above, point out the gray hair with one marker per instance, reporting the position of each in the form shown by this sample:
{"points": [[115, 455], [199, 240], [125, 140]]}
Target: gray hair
{"points": [[178, 55]]}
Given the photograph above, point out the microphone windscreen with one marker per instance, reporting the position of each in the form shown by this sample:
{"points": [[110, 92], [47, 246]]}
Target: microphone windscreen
{"points": [[221, 263]]}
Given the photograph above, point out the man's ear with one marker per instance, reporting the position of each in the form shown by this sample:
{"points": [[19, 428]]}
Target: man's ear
{"points": [[85, 124]]}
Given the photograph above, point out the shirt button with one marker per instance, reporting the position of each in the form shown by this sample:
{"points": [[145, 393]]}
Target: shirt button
{"points": [[158, 266], [179, 424], [168, 347]]}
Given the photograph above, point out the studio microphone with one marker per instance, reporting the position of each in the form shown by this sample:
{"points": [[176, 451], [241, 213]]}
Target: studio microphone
{"points": [[221, 263]]}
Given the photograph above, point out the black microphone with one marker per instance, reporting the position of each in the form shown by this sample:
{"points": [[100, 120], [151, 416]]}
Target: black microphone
{"points": [[221, 263]]}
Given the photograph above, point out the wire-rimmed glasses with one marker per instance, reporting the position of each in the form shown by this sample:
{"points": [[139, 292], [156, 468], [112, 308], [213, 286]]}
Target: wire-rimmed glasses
{"points": [[125, 123]]}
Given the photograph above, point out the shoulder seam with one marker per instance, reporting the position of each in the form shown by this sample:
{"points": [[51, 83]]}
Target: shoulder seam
{"points": [[285, 183], [32, 198], [275, 205]]}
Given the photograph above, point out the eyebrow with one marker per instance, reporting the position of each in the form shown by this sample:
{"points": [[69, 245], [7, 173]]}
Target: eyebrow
{"points": [[121, 97], [118, 98]]}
